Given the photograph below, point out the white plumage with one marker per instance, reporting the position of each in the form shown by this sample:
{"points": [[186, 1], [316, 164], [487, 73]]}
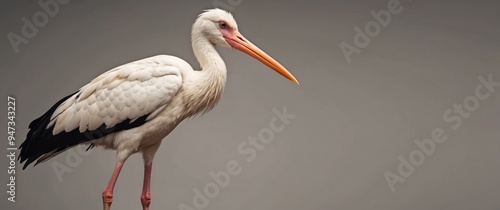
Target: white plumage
{"points": [[126, 92], [131, 108]]}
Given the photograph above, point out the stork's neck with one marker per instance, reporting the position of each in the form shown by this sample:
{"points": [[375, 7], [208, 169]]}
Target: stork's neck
{"points": [[206, 54], [213, 68], [211, 80]]}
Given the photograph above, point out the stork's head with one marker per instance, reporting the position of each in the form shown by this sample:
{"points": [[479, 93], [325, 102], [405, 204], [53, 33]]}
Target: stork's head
{"points": [[220, 28]]}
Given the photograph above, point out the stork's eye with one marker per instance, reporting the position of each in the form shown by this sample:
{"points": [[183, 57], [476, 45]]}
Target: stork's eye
{"points": [[222, 25]]}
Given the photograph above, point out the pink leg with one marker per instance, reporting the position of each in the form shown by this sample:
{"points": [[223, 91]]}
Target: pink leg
{"points": [[146, 194], [107, 193]]}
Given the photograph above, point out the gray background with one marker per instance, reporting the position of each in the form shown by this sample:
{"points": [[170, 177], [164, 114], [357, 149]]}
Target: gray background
{"points": [[353, 120]]}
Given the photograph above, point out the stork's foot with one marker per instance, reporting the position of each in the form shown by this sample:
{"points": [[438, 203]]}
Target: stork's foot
{"points": [[107, 199], [146, 200]]}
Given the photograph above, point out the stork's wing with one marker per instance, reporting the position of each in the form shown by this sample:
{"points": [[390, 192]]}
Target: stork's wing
{"points": [[122, 98]]}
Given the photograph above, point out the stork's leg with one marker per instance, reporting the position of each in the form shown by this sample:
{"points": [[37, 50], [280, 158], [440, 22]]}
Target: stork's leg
{"points": [[107, 194], [146, 194], [148, 155]]}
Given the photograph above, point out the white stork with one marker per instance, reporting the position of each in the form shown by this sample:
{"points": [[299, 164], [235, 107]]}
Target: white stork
{"points": [[132, 107]]}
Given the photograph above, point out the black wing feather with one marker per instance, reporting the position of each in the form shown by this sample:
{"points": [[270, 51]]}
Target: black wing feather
{"points": [[40, 141]]}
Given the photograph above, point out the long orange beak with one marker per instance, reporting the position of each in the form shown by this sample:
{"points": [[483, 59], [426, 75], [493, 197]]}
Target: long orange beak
{"points": [[239, 42]]}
